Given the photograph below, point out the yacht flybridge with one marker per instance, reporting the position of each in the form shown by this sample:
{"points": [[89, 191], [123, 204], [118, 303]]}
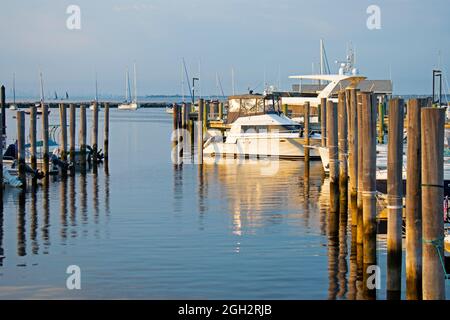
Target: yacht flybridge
{"points": [[257, 128], [336, 83]]}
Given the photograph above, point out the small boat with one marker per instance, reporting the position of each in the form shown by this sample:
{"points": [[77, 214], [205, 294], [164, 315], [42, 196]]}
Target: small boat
{"points": [[257, 128], [11, 180], [169, 109], [38, 109], [129, 104], [13, 107]]}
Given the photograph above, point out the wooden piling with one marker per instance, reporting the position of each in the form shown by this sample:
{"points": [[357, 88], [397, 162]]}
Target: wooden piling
{"points": [[94, 137], [381, 122], [83, 137], [33, 137], [323, 121], [200, 132], [72, 132], [342, 140], [106, 132], [353, 152], [306, 133], [3, 107], [414, 203], [220, 110], [63, 125], [369, 188], [45, 150], [432, 131], [20, 116], [332, 141], [205, 116], [395, 198], [175, 137], [1, 159]]}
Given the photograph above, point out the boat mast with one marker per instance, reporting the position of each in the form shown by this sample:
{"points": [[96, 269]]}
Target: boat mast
{"points": [[135, 80], [96, 88], [232, 80], [126, 85], [42, 87], [14, 87]]}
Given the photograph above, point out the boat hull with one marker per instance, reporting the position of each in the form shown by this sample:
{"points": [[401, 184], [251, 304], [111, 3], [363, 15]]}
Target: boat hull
{"points": [[282, 148], [128, 106]]}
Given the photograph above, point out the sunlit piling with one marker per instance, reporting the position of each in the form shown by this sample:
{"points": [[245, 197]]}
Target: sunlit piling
{"points": [[414, 202], [360, 222], [106, 133], [72, 134], [33, 137], [369, 188], [381, 122], [306, 110], [206, 107], [342, 140], [395, 198], [432, 131], [45, 150], [94, 136], [200, 132], [63, 131], [353, 153], [83, 137], [220, 110], [323, 121], [21, 158], [332, 141]]}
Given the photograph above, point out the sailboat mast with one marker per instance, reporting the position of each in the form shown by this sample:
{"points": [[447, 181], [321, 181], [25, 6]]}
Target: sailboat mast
{"points": [[96, 88], [14, 87], [42, 87], [135, 85], [126, 85]]}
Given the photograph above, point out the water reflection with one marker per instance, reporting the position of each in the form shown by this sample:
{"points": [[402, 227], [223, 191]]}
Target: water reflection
{"points": [[21, 221], [2, 252], [34, 224], [333, 242]]}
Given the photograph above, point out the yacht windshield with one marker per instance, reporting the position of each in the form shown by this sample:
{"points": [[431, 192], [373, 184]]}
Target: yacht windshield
{"points": [[271, 128]]}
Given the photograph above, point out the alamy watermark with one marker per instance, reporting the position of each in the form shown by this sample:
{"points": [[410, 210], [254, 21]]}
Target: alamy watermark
{"points": [[73, 22], [73, 281], [374, 19]]}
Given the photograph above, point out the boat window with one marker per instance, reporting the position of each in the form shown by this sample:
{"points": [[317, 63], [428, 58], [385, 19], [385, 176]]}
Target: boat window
{"points": [[270, 128]]}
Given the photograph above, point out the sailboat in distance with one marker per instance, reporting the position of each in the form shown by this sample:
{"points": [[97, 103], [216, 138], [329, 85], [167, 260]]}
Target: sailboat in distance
{"points": [[129, 103], [91, 107], [14, 105]]}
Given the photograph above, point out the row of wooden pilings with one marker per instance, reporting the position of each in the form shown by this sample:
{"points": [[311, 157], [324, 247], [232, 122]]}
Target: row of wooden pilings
{"points": [[350, 134], [188, 132], [67, 146]]}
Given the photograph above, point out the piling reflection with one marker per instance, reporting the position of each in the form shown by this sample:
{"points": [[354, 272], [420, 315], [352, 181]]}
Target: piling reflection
{"points": [[72, 206], [46, 213], [343, 219], [63, 208], [21, 225], [34, 221], [2, 251], [333, 242]]}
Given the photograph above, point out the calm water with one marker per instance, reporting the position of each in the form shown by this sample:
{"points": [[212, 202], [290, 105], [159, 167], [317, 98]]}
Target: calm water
{"points": [[149, 229]]}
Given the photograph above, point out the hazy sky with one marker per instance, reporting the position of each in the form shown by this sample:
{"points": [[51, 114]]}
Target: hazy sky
{"points": [[255, 37]]}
